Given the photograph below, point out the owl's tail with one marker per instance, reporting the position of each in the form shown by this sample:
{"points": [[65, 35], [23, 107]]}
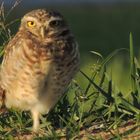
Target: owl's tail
{"points": [[2, 97], [3, 109]]}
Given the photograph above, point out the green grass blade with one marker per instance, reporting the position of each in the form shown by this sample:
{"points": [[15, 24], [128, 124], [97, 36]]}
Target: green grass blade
{"points": [[129, 106], [99, 88], [132, 64], [112, 55]]}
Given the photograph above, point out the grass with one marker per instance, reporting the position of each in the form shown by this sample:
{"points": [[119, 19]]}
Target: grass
{"points": [[93, 102]]}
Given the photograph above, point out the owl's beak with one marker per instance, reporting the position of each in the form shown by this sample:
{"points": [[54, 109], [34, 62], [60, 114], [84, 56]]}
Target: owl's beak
{"points": [[42, 32]]}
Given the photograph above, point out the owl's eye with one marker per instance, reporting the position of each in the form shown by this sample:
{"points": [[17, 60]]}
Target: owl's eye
{"points": [[31, 24], [55, 23]]}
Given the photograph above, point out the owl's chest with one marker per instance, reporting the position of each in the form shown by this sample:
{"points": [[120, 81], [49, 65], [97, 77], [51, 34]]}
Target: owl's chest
{"points": [[30, 70]]}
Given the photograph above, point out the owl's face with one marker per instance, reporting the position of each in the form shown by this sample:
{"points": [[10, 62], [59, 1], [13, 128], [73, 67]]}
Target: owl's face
{"points": [[43, 23]]}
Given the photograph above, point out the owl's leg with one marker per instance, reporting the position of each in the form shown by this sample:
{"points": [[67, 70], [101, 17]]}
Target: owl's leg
{"points": [[35, 116]]}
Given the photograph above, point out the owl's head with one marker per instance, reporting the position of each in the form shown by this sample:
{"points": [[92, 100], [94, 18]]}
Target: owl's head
{"points": [[43, 23]]}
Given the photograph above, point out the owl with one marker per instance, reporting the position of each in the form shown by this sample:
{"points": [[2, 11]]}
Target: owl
{"points": [[39, 63]]}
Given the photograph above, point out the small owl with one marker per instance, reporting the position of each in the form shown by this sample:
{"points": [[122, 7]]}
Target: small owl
{"points": [[39, 63]]}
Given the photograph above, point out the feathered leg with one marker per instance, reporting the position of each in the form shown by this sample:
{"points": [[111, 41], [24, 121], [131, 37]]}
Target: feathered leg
{"points": [[35, 116]]}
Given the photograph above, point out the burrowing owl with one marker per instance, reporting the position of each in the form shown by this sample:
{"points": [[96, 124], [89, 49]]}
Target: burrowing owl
{"points": [[39, 63]]}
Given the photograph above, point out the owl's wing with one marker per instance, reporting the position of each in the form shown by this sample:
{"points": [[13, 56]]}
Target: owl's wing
{"points": [[16, 56], [13, 43], [7, 51]]}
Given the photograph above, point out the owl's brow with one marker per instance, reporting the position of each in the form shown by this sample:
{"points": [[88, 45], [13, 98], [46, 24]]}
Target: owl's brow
{"points": [[55, 18], [30, 18]]}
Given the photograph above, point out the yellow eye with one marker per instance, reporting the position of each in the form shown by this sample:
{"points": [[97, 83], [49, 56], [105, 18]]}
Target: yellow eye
{"points": [[31, 24]]}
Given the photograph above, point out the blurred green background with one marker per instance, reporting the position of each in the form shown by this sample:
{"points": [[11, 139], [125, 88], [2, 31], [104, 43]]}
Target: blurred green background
{"points": [[100, 26]]}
